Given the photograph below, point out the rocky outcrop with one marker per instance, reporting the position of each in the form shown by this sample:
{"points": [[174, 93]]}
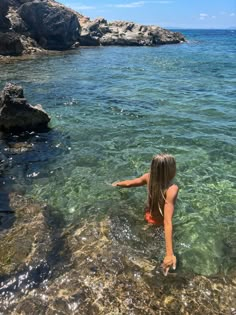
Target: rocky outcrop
{"points": [[53, 27], [100, 32], [28, 27], [17, 114], [32, 26]]}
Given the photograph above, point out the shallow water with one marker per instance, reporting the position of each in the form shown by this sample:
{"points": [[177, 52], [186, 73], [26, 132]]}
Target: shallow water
{"points": [[112, 109]]}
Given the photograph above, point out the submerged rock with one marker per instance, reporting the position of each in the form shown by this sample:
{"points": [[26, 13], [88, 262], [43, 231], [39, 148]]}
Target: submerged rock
{"points": [[100, 276], [17, 114], [20, 147], [22, 243]]}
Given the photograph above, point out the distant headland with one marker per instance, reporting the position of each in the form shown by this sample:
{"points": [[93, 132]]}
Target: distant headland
{"points": [[31, 27]]}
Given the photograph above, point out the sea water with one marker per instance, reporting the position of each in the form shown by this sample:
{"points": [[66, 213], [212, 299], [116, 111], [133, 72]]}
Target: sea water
{"points": [[112, 109]]}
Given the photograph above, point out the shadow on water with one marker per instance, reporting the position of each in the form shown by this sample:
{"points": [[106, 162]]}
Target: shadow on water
{"points": [[24, 157], [7, 216]]}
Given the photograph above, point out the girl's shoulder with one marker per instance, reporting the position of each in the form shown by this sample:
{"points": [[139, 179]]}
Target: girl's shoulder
{"points": [[171, 194], [172, 191]]}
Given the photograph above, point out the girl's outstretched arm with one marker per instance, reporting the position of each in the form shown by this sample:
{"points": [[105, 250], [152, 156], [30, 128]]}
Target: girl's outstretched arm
{"points": [[170, 259], [140, 181]]}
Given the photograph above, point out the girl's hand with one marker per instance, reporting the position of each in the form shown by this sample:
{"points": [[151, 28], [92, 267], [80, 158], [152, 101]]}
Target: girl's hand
{"points": [[114, 184], [168, 262]]}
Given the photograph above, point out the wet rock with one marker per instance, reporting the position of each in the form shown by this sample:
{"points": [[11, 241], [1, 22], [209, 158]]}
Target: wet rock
{"points": [[17, 114], [53, 27], [30, 306], [20, 147], [103, 276], [126, 282], [124, 33], [172, 304], [3, 162]]}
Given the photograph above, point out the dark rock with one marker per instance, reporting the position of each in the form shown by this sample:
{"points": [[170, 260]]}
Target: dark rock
{"points": [[3, 163], [10, 44], [87, 40], [17, 114], [4, 22], [92, 31], [53, 27]]}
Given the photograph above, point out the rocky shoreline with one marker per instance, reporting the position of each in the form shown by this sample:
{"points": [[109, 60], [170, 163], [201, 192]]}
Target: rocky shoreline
{"points": [[32, 27]]}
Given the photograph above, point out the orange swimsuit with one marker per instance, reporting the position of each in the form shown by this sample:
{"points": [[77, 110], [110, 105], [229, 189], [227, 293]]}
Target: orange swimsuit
{"points": [[150, 219]]}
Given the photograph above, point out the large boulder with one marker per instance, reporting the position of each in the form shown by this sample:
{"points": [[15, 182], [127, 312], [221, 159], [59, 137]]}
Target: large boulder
{"points": [[100, 32], [53, 27], [17, 114], [10, 44]]}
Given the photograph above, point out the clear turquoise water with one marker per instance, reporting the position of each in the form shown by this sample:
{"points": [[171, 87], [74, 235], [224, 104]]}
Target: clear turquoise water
{"points": [[112, 109]]}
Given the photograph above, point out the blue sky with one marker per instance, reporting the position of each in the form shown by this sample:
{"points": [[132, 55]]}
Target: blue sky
{"points": [[166, 13]]}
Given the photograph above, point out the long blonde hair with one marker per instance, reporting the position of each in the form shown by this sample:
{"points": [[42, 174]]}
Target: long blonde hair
{"points": [[163, 170]]}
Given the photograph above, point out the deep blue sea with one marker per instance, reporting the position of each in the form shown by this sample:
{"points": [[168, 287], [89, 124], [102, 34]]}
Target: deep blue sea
{"points": [[112, 109]]}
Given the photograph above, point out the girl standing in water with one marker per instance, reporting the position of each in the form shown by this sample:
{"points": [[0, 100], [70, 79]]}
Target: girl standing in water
{"points": [[162, 195]]}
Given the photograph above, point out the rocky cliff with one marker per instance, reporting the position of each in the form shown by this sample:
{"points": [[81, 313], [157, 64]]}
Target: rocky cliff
{"points": [[28, 26]]}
